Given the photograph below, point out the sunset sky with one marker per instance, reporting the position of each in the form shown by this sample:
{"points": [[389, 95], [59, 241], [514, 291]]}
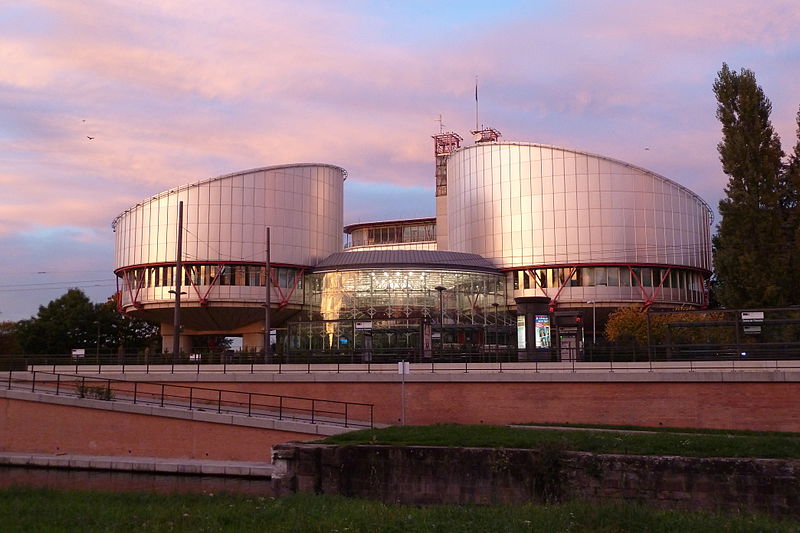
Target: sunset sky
{"points": [[175, 91]]}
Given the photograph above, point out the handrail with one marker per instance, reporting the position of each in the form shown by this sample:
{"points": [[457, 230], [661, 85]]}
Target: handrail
{"points": [[467, 365], [321, 411]]}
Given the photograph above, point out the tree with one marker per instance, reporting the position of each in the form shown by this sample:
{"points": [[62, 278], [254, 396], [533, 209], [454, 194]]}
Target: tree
{"points": [[122, 332], [9, 344], [751, 256], [792, 179], [65, 323], [73, 321], [627, 325]]}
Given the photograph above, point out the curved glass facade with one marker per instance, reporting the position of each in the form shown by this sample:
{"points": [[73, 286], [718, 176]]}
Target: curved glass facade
{"points": [[668, 285], [218, 282], [390, 305], [417, 234]]}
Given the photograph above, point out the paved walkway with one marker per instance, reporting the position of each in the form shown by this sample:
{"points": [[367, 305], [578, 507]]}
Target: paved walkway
{"points": [[146, 465]]}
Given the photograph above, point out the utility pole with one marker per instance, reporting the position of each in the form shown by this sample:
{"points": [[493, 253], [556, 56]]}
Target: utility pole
{"points": [[267, 303], [176, 337], [440, 289]]}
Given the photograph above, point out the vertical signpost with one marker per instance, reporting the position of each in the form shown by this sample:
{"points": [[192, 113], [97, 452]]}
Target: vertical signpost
{"points": [[403, 368], [267, 301], [427, 338]]}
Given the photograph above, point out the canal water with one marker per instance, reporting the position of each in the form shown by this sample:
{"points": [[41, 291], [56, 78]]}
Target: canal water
{"points": [[113, 481]]}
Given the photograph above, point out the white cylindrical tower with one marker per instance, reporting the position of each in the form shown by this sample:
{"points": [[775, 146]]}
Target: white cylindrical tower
{"points": [[578, 227], [224, 245]]}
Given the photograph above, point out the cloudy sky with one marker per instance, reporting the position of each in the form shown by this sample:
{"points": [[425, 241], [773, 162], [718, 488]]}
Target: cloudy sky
{"points": [[174, 91]]}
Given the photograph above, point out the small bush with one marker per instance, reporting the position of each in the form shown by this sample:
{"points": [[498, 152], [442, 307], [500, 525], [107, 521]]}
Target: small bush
{"points": [[97, 392]]}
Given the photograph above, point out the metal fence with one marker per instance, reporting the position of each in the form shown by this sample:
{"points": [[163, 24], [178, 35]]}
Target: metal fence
{"points": [[608, 355], [280, 407]]}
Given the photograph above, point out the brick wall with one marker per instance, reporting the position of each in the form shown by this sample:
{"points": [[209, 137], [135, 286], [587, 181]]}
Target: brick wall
{"points": [[37, 427], [763, 406]]}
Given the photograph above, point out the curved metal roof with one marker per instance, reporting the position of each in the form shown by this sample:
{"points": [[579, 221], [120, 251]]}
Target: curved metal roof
{"points": [[405, 259], [598, 156], [220, 178]]}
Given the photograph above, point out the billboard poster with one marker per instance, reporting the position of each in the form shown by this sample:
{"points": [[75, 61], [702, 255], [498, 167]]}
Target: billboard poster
{"points": [[542, 331], [521, 332]]}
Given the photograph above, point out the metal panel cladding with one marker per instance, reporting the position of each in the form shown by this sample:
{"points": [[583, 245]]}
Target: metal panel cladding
{"points": [[524, 204], [225, 219]]}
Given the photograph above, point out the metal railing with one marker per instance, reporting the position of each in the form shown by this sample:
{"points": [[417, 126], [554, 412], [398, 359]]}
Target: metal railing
{"points": [[251, 404], [465, 366], [255, 362]]}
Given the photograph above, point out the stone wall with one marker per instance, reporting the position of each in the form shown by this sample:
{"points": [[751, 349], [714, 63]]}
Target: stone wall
{"points": [[431, 475]]}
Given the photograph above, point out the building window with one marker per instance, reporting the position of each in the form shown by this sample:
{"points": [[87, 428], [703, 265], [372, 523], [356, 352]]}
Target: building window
{"points": [[613, 276]]}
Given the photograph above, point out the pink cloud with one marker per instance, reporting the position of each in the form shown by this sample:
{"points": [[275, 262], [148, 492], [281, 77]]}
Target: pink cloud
{"points": [[174, 92]]}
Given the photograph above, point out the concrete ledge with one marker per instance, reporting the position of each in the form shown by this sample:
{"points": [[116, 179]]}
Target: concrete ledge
{"points": [[678, 371], [153, 465]]}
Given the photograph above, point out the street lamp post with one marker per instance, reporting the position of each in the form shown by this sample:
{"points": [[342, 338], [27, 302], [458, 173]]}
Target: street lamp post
{"points": [[594, 321], [267, 299], [441, 290], [496, 328], [97, 351], [176, 339]]}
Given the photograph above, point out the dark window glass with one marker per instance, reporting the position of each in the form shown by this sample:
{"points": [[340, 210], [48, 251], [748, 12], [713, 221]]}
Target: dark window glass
{"points": [[636, 276], [613, 276], [624, 277]]}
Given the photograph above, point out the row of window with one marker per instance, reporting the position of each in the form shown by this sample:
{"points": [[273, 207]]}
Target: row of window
{"points": [[608, 276], [210, 274], [393, 234]]}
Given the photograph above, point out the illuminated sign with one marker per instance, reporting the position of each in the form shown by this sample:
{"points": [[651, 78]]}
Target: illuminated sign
{"points": [[542, 331]]}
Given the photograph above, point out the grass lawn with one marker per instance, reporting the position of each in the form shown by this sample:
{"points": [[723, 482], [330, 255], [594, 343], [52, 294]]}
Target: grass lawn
{"points": [[26, 510], [693, 443]]}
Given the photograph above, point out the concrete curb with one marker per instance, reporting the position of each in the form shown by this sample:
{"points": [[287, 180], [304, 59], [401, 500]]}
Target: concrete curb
{"points": [[149, 465]]}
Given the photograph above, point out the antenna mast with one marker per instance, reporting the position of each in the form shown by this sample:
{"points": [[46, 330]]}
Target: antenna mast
{"points": [[477, 127]]}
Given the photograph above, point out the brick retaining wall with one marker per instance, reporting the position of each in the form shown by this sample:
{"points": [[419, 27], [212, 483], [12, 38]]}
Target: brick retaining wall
{"points": [[758, 406], [430, 475]]}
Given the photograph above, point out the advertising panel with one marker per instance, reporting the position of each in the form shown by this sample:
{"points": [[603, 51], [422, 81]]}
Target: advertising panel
{"points": [[542, 331], [521, 332]]}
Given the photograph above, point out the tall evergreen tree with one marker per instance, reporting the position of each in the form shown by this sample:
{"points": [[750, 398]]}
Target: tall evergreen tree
{"points": [[792, 179], [751, 256]]}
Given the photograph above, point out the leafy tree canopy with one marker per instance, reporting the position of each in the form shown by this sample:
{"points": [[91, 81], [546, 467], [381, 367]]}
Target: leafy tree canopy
{"points": [[73, 321], [9, 344], [628, 325]]}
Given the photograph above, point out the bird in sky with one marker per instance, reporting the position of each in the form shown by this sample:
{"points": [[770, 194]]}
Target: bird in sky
{"points": [[90, 138]]}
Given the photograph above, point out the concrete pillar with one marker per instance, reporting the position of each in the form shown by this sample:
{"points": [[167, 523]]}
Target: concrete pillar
{"points": [[185, 341], [253, 341]]}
